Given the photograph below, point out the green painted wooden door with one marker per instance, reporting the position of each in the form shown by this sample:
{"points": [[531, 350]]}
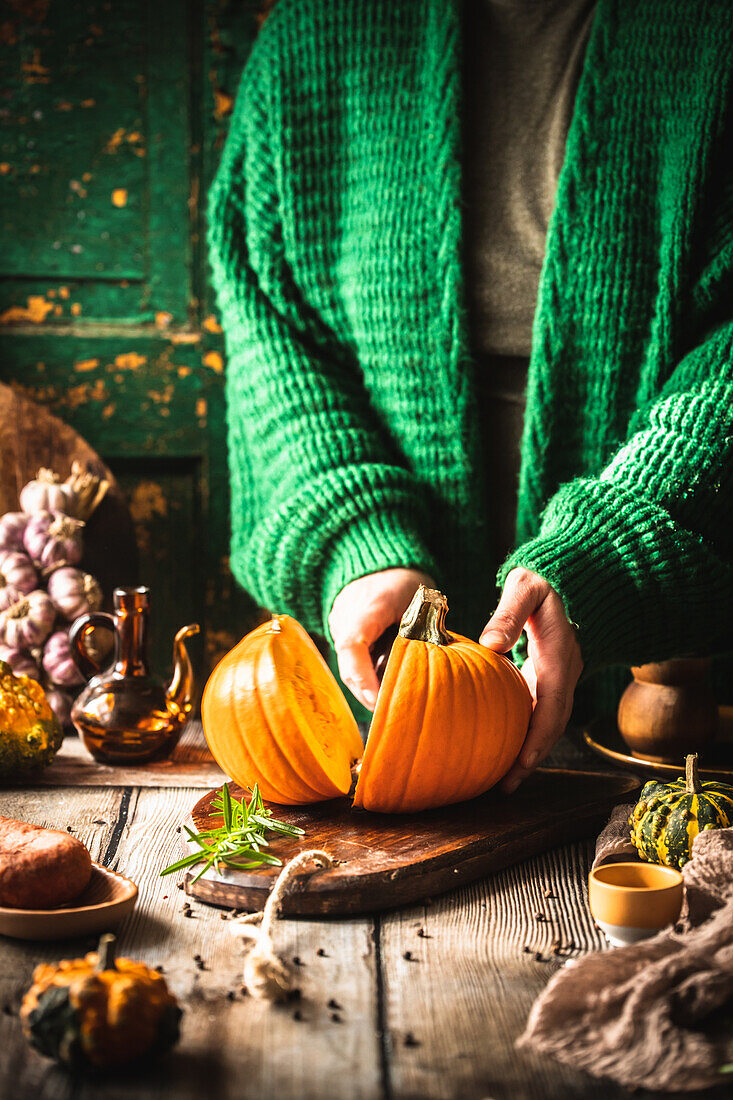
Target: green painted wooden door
{"points": [[113, 116]]}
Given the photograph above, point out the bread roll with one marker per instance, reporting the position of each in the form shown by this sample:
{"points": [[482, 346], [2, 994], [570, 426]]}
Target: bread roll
{"points": [[40, 868]]}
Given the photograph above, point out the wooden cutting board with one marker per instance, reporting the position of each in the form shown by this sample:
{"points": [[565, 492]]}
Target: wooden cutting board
{"points": [[390, 860]]}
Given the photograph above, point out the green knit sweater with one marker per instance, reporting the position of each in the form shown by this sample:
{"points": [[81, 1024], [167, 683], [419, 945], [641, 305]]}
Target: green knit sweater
{"points": [[335, 236]]}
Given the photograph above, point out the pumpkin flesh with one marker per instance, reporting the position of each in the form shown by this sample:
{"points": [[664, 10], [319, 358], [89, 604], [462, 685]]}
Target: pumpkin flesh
{"points": [[273, 715]]}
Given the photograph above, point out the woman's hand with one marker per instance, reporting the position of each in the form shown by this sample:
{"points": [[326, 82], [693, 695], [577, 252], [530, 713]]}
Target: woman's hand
{"points": [[361, 612], [552, 668]]}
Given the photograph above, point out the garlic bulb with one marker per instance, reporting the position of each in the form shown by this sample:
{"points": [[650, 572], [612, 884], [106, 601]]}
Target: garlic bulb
{"points": [[58, 663], [17, 577], [20, 661], [74, 593], [47, 492], [53, 539], [12, 529], [28, 622]]}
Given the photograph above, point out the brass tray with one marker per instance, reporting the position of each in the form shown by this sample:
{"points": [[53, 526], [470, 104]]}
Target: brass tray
{"points": [[716, 762]]}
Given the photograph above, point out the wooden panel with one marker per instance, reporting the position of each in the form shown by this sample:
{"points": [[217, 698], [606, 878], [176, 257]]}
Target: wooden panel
{"points": [[458, 983], [75, 142], [189, 765], [438, 1025], [230, 1048], [105, 308]]}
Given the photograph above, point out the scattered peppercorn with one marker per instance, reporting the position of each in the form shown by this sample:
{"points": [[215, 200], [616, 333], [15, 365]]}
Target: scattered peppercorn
{"points": [[297, 961], [410, 1040], [294, 995], [540, 917], [160, 969], [8, 1010], [321, 953], [526, 949], [333, 1003], [179, 885], [69, 829], [187, 913], [409, 956], [231, 995], [199, 962], [178, 828], [297, 1015], [335, 1017], [538, 957], [423, 934]]}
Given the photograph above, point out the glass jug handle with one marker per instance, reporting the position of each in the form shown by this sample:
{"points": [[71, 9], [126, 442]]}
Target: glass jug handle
{"points": [[79, 632]]}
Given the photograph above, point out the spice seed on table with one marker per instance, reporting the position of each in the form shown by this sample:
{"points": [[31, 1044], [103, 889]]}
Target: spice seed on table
{"points": [[335, 1017], [334, 1004], [410, 1040], [321, 953]]}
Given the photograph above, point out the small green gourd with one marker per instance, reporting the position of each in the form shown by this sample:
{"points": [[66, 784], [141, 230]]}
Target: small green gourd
{"points": [[668, 816]]}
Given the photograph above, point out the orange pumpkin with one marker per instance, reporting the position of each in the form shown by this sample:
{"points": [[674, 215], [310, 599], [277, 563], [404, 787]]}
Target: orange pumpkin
{"points": [[274, 715], [450, 719]]}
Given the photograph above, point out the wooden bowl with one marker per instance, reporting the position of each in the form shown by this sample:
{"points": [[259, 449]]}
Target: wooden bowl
{"points": [[106, 900], [633, 901]]}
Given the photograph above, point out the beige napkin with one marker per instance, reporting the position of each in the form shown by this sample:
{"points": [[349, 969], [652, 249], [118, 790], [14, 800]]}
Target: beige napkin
{"points": [[658, 1014]]}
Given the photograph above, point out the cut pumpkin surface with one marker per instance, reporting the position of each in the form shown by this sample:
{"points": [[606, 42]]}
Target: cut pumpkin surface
{"points": [[274, 715], [450, 720]]}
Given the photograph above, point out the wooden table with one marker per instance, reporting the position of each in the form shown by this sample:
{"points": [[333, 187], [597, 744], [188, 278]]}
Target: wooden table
{"points": [[372, 1024]]}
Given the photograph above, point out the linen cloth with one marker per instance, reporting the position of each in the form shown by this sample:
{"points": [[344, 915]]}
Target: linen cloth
{"points": [[658, 1014]]}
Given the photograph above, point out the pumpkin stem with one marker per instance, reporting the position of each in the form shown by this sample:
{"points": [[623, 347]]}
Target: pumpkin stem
{"points": [[692, 779], [106, 952], [424, 620]]}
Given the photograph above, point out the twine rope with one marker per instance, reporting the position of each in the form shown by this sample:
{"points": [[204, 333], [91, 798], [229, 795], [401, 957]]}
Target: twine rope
{"points": [[266, 976]]}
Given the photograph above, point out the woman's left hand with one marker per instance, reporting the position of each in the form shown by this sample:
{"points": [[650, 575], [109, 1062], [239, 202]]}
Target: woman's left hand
{"points": [[553, 666]]}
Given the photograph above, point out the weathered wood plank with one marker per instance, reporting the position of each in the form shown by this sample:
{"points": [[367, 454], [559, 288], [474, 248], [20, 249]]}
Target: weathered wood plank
{"points": [[464, 995], [191, 764], [229, 1048], [95, 818]]}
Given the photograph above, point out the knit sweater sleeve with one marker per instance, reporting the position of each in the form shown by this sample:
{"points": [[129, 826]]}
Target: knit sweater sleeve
{"points": [[318, 498], [642, 555]]}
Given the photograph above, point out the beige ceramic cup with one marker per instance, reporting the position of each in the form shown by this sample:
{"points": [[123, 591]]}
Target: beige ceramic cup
{"points": [[633, 901]]}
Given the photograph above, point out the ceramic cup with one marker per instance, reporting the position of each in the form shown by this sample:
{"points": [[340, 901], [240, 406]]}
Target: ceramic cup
{"points": [[633, 901]]}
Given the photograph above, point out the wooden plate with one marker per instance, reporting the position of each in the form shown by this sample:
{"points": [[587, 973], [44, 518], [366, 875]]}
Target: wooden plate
{"points": [[389, 860], [107, 899], [715, 762]]}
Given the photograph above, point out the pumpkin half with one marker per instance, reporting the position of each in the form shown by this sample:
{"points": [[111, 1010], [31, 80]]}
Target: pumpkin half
{"points": [[274, 715], [450, 718]]}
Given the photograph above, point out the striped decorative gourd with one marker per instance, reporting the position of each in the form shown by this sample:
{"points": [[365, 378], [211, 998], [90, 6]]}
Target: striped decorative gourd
{"points": [[668, 816]]}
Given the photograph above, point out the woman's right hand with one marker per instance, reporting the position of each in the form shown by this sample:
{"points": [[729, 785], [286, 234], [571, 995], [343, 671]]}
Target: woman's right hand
{"points": [[361, 612]]}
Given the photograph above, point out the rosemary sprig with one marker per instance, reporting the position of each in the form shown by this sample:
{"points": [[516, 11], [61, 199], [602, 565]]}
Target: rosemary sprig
{"points": [[240, 840]]}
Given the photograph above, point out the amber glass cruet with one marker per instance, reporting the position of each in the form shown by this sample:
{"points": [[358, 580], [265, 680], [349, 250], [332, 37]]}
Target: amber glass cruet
{"points": [[124, 715]]}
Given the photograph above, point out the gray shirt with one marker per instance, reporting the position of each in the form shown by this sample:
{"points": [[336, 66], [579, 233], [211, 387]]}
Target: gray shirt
{"points": [[523, 60]]}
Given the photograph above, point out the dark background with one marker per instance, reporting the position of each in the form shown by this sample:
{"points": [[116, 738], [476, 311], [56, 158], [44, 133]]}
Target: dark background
{"points": [[113, 115]]}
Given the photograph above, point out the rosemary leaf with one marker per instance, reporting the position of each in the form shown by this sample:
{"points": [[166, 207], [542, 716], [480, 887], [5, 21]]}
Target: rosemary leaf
{"points": [[239, 841]]}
